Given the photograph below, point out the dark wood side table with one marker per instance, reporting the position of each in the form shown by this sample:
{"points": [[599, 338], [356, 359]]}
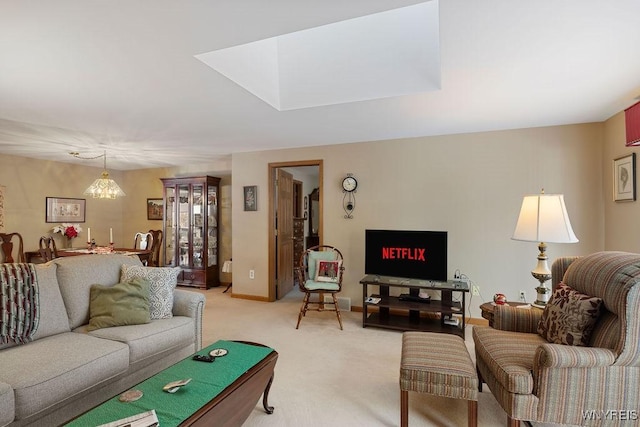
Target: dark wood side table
{"points": [[488, 307]]}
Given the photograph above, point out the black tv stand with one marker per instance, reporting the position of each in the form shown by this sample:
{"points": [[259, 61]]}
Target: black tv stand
{"points": [[394, 312]]}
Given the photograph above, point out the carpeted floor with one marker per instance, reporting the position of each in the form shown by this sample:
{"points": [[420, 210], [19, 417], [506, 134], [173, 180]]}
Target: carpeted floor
{"points": [[328, 377]]}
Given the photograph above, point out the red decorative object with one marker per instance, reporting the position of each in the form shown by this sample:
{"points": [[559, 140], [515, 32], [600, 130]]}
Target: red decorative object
{"points": [[500, 299], [632, 123]]}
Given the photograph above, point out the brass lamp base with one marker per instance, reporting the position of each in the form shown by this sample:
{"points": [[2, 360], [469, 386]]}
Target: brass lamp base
{"points": [[543, 274]]}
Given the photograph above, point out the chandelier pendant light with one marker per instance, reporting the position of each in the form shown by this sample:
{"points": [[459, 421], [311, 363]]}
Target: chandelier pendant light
{"points": [[103, 187]]}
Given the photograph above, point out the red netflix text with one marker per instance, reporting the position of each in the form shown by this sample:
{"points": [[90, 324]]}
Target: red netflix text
{"points": [[415, 254]]}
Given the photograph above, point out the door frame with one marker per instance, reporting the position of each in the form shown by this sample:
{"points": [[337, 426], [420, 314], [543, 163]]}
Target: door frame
{"points": [[272, 217]]}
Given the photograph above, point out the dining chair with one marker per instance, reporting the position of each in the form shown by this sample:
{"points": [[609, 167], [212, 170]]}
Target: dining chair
{"points": [[156, 243], [7, 247], [47, 250], [142, 241]]}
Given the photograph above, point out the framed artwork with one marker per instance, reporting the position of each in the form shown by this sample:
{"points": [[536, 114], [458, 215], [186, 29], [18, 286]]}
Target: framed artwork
{"points": [[155, 209], [60, 209], [251, 198], [624, 178]]}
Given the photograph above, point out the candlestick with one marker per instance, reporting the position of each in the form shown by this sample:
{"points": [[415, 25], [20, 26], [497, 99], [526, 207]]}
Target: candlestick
{"points": [[111, 235]]}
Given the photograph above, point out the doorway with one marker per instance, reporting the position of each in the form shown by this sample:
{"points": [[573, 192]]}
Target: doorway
{"points": [[281, 200]]}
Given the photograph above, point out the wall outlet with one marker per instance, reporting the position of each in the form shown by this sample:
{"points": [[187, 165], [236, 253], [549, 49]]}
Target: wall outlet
{"points": [[523, 296], [475, 290], [252, 274]]}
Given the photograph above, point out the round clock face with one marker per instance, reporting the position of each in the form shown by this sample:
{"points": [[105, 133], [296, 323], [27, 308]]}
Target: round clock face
{"points": [[349, 184]]}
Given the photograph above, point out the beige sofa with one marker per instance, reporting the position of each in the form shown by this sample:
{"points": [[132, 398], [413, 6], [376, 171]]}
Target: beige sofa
{"points": [[65, 370], [597, 384]]}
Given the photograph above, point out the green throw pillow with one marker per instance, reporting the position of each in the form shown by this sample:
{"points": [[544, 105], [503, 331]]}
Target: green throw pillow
{"points": [[125, 303]]}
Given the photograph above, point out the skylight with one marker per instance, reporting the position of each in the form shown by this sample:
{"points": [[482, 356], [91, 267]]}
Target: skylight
{"points": [[382, 55]]}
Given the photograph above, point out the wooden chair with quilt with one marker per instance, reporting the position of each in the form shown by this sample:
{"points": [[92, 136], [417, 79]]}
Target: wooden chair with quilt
{"points": [[7, 240], [320, 272], [47, 248]]}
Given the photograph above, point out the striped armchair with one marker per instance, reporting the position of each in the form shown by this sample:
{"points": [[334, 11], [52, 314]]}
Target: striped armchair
{"points": [[596, 385]]}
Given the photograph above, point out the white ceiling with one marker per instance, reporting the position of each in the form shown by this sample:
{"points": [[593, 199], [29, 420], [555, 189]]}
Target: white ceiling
{"points": [[122, 75]]}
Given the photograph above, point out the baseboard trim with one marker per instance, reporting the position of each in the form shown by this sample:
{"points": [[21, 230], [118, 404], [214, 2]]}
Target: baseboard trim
{"points": [[249, 297]]}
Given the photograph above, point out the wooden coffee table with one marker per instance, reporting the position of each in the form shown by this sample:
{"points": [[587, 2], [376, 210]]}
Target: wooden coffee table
{"points": [[229, 407], [233, 406]]}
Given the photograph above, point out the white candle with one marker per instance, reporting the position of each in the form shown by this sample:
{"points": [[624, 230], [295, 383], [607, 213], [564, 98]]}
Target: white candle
{"points": [[111, 235], [88, 234]]}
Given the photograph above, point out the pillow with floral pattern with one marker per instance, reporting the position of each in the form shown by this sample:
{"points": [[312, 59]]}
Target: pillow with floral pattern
{"points": [[569, 317]]}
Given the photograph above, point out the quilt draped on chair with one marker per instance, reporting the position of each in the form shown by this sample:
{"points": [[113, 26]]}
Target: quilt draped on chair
{"points": [[19, 303]]}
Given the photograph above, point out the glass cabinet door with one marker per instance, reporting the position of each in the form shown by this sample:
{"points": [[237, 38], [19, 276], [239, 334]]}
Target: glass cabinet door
{"points": [[170, 224], [212, 226], [198, 224], [191, 229], [183, 225]]}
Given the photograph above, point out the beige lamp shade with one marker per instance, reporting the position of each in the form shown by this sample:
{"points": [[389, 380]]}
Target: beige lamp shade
{"points": [[544, 218]]}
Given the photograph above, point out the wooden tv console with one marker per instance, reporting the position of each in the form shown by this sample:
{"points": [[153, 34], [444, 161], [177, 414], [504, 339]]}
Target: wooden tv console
{"points": [[391, 312]]}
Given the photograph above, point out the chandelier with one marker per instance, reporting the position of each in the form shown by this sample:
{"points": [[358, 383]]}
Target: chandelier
{"points": [[103, 187]]}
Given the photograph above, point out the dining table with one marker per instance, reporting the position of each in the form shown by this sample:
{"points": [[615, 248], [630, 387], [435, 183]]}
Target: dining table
{"points": [[143, 254]]}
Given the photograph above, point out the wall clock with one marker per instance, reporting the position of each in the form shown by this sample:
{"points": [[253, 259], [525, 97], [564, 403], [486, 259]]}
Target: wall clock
{"points": [[349, 187], [349, 184]]}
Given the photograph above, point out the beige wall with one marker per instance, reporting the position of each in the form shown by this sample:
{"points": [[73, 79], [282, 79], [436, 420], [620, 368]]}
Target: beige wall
{"points": [[28, 182], [469, 185], [622, 228]]}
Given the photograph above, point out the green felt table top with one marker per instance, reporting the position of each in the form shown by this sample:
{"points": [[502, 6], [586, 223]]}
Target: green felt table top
{"points": [[207, 381]]}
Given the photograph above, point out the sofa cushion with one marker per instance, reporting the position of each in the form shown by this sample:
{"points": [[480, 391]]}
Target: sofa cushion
{"points": [[76, 274], [148, 340], [125, 303], [53, 314], [569, 317], [509, 356], [51, 369], [162, 281], [7, 404]]}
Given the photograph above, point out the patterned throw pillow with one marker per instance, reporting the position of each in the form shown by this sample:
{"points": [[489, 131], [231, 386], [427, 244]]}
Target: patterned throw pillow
{"points": [[569, 317], [162, 282]]}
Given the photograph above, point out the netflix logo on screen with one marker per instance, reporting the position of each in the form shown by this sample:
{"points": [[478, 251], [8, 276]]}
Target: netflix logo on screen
{"points": [[413, 254], [406, 254]]}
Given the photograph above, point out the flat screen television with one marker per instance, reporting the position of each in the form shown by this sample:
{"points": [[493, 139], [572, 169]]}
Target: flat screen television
{"points": [[407, 254]]}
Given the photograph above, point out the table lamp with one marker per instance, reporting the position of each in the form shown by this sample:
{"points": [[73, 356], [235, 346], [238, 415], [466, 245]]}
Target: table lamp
{"points": [[543, 218]]}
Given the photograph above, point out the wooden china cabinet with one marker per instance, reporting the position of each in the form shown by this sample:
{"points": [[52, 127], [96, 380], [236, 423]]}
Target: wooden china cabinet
{"points": [[190, 227]]}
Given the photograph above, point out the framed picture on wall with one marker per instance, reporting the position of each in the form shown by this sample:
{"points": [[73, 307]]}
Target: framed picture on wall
{"points": [[251, 198], [155, 209], [624, 178], [60, 209]]}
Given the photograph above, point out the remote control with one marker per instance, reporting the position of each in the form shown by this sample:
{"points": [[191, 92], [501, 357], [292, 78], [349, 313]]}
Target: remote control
{"points": [[201, 358]]}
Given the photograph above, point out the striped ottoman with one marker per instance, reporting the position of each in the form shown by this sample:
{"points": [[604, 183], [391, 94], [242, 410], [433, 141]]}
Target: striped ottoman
{"points": [[437, 364]]}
